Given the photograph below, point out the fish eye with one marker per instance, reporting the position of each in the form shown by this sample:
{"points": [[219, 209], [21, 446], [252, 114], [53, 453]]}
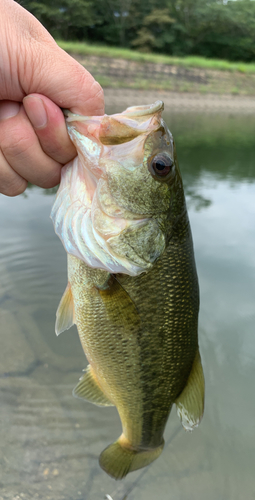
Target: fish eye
{"points": [[162, 166]]}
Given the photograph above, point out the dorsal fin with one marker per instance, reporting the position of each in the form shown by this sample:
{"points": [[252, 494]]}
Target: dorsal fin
{"points": [[65, 312]]}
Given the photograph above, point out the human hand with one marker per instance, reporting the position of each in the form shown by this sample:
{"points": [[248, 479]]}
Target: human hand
{"points": [[37, 78]]}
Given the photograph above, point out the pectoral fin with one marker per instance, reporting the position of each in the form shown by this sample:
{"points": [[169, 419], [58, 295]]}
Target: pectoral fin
{"points": [[120, 308], [190, 404], [88, 389], [65, 312]]}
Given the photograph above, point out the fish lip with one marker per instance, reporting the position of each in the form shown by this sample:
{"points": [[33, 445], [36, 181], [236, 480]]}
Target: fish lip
{"points": [[144, 110], [131, 111], [75, 117]]}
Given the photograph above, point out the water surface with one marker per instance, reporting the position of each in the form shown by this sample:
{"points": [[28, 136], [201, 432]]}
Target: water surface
{"points": [[50, 442]]}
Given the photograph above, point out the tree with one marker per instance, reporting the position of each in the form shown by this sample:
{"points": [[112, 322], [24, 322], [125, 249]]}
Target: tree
{"points": [[211, 28], [67, 19], [154, 33]]}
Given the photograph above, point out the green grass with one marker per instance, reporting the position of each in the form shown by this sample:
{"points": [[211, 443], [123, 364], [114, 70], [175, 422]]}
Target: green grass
{"points": [[235, 90], [137, 83], [189, 61]]}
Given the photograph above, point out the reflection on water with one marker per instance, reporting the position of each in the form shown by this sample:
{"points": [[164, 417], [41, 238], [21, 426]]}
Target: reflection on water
{"points": [[50, 441]]}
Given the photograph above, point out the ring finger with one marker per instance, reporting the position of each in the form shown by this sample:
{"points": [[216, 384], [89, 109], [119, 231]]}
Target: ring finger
{"points": [[11, 183]]}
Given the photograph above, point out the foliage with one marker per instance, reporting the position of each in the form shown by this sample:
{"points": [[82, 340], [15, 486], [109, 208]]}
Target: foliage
{"points": [[210, 28], [63, 18], [154, 33]]}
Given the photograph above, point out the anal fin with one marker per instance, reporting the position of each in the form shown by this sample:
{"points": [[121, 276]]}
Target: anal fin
{"points": [[88, 389], [65, 312], [190, 403]]}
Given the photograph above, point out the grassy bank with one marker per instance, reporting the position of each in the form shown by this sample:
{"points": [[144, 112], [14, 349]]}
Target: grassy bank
{"points": [[132, 55], [122, 68]]}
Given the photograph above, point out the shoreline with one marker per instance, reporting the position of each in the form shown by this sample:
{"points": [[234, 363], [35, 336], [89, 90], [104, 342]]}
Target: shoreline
{"points": [[183, 89], [182, 102], [207, 88]]}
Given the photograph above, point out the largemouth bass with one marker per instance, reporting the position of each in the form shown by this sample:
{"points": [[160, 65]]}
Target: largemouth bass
{"points": [[132, 284]]}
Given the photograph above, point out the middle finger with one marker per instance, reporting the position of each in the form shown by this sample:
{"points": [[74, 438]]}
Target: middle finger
{"points": [[22, 150]]}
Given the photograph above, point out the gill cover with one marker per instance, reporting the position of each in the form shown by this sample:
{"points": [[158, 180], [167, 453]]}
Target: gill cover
{"points": [[94, 224]]}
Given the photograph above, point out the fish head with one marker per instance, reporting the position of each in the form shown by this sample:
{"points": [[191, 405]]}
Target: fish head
{"points": [[120, 198]]}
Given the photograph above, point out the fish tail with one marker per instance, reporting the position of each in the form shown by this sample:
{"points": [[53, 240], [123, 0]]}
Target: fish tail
{"points": [[119, 459]]}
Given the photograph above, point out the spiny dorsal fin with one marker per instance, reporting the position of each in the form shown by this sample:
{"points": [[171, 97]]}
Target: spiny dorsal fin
{"points": [[65, 312], [88, 389], [190, 404]]}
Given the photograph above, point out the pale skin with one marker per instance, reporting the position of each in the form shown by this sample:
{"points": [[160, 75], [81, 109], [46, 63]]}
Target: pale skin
{"points": [[37, 79]]}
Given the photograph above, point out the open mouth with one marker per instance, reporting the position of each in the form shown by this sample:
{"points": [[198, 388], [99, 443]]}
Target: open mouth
{"points": [[91, 223]]}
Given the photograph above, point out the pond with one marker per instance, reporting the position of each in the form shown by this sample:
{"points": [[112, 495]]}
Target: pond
{"points": [[50, 442]]}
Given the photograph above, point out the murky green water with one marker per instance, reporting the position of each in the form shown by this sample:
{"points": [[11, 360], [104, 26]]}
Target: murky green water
{"points": [[49, 441]]}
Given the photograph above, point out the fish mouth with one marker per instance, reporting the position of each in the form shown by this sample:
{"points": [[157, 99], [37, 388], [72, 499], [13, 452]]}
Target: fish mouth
{"points": [[90, 223]]}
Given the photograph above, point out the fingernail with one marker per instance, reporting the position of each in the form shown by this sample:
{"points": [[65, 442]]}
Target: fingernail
{"points": [[8, 109], [35, 111]]}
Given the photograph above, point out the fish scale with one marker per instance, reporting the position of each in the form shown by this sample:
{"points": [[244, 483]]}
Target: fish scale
{"points": [[138, 329], [172, 341]]}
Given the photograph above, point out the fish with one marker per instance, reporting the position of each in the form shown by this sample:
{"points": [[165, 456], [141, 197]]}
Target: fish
{"points": [[132, 289]]}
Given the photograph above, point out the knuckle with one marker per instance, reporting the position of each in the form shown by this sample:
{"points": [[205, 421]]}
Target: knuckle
{"points": [[13, 188], [16, 144], [47, 184], [52, 178], [50, 183]]}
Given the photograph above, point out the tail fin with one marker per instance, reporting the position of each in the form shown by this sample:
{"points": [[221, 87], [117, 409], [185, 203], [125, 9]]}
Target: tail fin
{"points": [[118, 460]]}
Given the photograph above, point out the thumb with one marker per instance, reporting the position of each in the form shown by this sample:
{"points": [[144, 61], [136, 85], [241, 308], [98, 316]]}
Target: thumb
{"points": [[38, 65], [65, 81]]}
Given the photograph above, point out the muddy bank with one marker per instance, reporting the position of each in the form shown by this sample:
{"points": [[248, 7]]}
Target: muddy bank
{"points": [[181, 102], [121, 73], [183, 89]]}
